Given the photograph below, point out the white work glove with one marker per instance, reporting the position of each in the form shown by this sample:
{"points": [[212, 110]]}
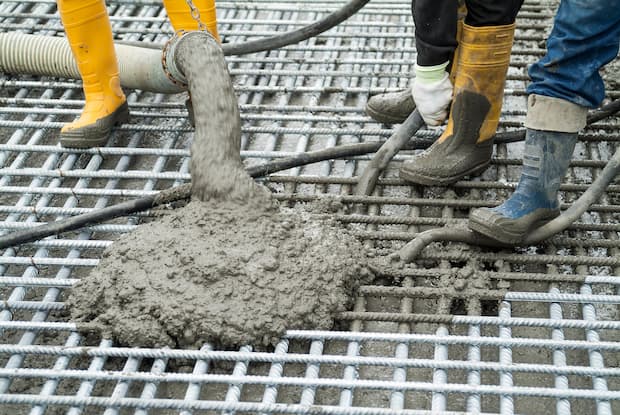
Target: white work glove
{"points": [[432, 93]]}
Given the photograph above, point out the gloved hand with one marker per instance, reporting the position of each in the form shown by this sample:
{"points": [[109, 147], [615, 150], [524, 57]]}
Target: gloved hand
{"points": [[432, 92]]}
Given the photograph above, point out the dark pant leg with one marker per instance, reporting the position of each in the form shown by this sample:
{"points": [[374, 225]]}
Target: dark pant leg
{"points": [[435, 30], [492, 12]]}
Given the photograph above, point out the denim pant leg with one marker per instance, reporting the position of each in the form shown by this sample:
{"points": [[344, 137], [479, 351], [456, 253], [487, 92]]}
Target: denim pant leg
{"points": [[585, 37]]}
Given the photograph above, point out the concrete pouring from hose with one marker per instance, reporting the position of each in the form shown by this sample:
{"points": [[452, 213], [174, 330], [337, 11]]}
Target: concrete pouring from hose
{"points": [[231, 267], [140, 66]]}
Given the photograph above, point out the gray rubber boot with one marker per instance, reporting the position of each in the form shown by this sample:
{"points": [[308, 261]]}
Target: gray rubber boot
{"points": [[392, 107], [546, 158], [97, 134], [458, 155]]}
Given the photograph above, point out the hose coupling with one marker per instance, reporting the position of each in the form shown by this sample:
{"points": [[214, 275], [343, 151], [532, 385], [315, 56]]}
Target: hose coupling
{"points": [[168, 63], [168, 56]]}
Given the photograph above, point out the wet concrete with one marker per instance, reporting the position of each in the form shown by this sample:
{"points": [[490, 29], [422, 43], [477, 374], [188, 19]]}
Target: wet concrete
{"points": [[223, 273], [231, 267], [216, 167]]}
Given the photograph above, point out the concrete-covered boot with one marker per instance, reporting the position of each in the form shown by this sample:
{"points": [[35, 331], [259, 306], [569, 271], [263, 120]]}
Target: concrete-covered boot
{"points": [[87, 27], [546, 157], [392, 107], [466, 146]]}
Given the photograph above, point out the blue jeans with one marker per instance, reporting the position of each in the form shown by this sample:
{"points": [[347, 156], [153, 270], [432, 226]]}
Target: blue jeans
{"points": [[585, 37]]}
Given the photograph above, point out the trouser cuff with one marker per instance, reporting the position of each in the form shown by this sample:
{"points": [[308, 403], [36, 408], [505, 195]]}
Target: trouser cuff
{"points": [[554, 114]]}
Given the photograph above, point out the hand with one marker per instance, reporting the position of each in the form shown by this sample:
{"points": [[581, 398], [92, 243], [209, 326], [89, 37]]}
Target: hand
{"points": [[432, 99]]}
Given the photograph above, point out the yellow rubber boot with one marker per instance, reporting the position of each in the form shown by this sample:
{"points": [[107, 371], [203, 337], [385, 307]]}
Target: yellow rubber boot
{"points": [[465, 147], [459, 35], [181, 17], [87, 27]]}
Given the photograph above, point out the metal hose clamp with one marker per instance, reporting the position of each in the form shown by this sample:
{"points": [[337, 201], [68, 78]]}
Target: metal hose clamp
{"points": [[168, 62]]}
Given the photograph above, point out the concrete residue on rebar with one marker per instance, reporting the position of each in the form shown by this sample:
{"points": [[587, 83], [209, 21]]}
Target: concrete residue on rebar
{"points": [[231, 267]]}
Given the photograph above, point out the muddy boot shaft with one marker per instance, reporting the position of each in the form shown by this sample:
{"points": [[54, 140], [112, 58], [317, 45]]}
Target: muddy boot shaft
{"points": [[545, 160], [466, 145], [181, 18]]}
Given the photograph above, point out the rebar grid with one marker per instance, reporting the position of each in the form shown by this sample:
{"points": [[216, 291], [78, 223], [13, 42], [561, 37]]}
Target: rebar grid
{"points": [[464, 329]]}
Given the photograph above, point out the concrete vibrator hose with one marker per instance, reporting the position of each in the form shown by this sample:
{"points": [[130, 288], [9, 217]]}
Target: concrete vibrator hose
{"points": [[365, 186], [140, 67], [414, 248]]}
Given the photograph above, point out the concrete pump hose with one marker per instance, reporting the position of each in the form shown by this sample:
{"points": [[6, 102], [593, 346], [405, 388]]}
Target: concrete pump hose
{"points": [[414, 248], [368, 180], [298, 35], [140, 68]]}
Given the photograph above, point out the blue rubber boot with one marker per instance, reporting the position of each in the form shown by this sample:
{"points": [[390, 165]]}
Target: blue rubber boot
{"points": [[535, 202]]}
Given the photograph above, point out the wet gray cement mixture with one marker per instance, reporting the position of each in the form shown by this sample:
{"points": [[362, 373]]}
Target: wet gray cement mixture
{"points": [[229, 268]]}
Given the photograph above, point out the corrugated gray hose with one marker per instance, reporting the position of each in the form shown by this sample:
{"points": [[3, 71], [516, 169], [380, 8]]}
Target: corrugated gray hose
{"points": [[140, 67]]}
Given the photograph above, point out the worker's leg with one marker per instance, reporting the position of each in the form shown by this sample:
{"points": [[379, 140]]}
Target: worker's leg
{"points": [[436, 36], [466, 145], [585, 36], [181, 17], [87, 27]]}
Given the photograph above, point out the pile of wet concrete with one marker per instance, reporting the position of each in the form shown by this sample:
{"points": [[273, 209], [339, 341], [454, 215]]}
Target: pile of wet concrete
{"points": [[222, 273]]}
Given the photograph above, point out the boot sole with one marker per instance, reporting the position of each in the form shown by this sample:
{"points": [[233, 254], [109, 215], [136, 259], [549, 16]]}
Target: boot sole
{"points": [[418, 178], [494, 232], [97, 134], [383, 117], [500, 234]]}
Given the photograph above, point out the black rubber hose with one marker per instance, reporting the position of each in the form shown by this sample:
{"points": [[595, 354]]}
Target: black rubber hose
{"points": [[368, 180], [295, 36], [184, 192], [278, 41], [414, 248], [604, 112]]}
